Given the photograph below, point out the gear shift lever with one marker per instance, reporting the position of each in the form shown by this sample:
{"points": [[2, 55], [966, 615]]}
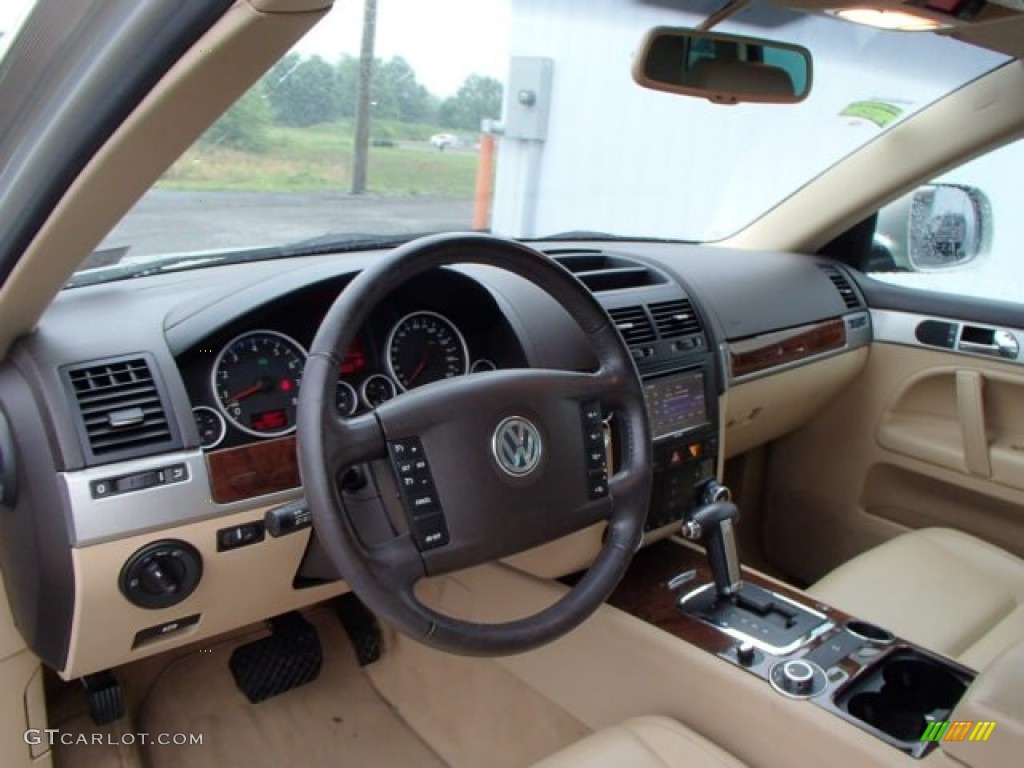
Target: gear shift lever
{"points": [[783, 625], [712, 525]]}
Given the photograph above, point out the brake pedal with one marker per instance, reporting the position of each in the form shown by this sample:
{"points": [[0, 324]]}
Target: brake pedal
{"points": [[361, 627], [106, 701], [289, 657]]}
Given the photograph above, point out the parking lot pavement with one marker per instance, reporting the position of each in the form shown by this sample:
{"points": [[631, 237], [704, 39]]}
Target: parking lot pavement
{"points": [[173, 221]]}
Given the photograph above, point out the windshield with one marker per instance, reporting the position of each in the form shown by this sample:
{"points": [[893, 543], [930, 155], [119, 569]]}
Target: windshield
{"points": [[521, 117], [12, 16]]}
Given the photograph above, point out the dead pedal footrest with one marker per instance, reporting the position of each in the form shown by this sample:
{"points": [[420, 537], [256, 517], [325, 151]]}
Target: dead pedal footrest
{"points": [[361, 627], [106, 702], [289, 657]]}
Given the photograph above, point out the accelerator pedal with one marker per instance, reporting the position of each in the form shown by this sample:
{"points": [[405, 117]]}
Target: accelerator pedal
{"points": [[361, 626], [289, 657]]}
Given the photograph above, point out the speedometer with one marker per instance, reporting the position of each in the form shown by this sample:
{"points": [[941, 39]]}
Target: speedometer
{"points": [[256, 380], [425, 347]]}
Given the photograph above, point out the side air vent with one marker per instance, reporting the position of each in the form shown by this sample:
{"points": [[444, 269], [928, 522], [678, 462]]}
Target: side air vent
{"points": [[842, 284], [675, 318], [121, 411], [605, 272], [633, 324]]}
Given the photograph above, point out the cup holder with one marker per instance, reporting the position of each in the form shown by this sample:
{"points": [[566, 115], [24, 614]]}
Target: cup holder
{"points": [[922, 684], [873, 633], [878, 710], [903, 693]]}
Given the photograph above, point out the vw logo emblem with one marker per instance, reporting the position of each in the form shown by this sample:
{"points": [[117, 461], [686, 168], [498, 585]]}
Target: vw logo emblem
{"points": [[517, 446]]}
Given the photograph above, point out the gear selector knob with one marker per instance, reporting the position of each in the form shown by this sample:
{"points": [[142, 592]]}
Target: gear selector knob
{"points": [[712, 525]]}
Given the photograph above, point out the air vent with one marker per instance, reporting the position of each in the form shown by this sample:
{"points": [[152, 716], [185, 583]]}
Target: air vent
{"points": [[633, 324], [842, 284], [121, 410], [675, 318]]}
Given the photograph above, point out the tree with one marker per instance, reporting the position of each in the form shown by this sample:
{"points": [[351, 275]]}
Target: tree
{"points": [[479, 97], [245, 125], [398, 94], [346, 74], [395, 92], [303, 91]]}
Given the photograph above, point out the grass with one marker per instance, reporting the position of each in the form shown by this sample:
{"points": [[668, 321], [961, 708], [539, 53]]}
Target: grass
{"points": [[320, 158]]}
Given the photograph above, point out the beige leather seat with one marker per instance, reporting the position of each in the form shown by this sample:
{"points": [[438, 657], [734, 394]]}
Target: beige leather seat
{"points": [[642, 742], [942, 589]]}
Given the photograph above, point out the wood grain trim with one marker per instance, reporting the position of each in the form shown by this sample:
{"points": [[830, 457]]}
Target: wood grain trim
{"points": [[761, 353], [253, 470], [643, 593]]}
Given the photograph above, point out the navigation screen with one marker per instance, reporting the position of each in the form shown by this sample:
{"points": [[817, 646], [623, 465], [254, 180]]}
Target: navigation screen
{"points": [[675, 403]]}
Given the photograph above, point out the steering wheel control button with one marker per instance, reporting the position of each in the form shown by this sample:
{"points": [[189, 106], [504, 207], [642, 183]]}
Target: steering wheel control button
{"points": [[597, 484], [798, 678], [409, 448], [517, 446], [426, 519], [423, 503], [594, 447], [240, 536], [430, 531]]}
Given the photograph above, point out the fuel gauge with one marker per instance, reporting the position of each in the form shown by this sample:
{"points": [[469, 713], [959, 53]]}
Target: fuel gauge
{"points": [[210, 425]]}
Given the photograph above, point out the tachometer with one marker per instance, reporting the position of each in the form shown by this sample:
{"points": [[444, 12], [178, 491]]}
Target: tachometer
{"points": [[345, 398], [425, 347], [256, 380]]}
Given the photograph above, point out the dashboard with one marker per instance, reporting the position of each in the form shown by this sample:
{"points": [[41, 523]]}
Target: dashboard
{"points": [[159, 496]]}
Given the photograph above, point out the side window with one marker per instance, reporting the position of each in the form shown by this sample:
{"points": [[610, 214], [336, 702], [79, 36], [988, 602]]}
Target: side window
{"points": [[963, 233]]}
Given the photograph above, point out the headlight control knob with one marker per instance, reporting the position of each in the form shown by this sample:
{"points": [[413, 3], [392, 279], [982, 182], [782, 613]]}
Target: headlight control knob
{"points": [[161, 574]]}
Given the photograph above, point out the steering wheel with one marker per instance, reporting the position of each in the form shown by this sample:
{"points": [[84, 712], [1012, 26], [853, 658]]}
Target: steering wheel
{"points": [[482, 466]]}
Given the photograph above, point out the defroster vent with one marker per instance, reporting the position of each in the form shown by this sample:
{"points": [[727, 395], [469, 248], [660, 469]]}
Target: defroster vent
{"points": [[121, 408]]}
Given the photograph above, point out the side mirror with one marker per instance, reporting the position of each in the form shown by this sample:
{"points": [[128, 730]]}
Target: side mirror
{"points": [[725, 69], [936, 227]]}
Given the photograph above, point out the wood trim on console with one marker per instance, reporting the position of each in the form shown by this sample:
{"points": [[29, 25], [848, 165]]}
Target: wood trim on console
{"points": [[253, 470], [644, 593], [770, 350]]}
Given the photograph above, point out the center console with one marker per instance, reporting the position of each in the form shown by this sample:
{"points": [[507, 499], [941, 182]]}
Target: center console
{"points": [[896, 691], [674, 356]]}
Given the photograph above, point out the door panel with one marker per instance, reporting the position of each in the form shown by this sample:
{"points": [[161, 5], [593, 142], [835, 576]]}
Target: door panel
{"points": [[923, 438]]}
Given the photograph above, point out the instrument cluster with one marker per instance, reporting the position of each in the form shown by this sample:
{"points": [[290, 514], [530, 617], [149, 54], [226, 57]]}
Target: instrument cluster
{"points": [[247, 386]]}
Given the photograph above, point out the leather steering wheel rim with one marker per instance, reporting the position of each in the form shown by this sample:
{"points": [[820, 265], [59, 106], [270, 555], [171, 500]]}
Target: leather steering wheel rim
{"points": [[383, 572]]}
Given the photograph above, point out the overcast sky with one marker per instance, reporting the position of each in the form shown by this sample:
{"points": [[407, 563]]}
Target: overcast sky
{"points": [[470, 40]]}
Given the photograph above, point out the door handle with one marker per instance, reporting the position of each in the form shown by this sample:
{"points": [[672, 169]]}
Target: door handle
{"points": [[1004, 344]]}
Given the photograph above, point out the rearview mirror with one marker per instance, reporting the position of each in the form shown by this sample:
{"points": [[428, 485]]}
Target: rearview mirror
{"points": [[725, 69]]}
